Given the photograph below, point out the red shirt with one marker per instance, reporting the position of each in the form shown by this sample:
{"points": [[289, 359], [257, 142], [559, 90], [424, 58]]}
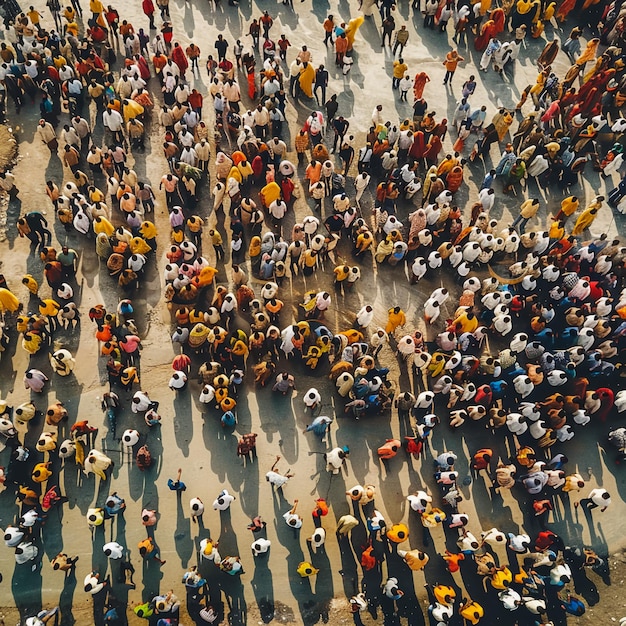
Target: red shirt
{"points": [[195, 100], [148, 7]]}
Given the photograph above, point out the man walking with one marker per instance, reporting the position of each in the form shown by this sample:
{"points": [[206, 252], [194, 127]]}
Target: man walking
{"points": [[451, 63], [321, 82]]}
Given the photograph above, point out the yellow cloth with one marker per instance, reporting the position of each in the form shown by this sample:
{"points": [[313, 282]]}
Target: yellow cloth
{"points": [[353, 26], [8, 301], [306, 79]]}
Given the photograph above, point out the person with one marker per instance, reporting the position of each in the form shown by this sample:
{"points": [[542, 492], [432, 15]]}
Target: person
{"points": [[277, 479], [329, 27], [340, 127], [34, 227], [341, 48], [266, 23], [254, 31], [400, 40], [147, 7], [388, 26], [176, 484], [149, 550], [55, 10], [399, 70], [221, 45], [283, 45], [597, 498], [321, 82], [335, 459], [292, 518], [451, 63], [193, 54], [528, 210], [47, 134], [404, 87], [469, 86]]}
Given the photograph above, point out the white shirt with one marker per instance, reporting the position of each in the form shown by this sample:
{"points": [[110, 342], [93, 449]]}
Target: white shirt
{"points": [[223, 501], [292, 519], [116, 551], [261, 546], [596, 497], [196, 506], [278, 480], [113, 120]]}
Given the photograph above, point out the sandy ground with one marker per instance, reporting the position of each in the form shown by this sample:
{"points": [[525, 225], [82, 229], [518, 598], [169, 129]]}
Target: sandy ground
{"points": [[195, 441]]}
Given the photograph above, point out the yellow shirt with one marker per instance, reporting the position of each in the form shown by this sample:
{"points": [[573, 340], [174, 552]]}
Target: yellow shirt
{"points": [[399, 69], [34, 16]]}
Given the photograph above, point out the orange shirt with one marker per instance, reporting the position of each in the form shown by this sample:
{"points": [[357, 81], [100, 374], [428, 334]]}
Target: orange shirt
{"points": [[452, 61]]}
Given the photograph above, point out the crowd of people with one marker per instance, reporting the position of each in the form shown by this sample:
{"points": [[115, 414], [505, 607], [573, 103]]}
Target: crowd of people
{"points": [[524, 341]]}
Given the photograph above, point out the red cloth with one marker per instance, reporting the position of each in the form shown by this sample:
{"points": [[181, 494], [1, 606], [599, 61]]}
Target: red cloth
{"points": [[287, 187], [251, 86], [148, 7], [257, 166], [178, 56]]}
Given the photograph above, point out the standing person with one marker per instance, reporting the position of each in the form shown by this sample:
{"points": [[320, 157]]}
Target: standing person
{"points": [[302, 144], [421, 78], [294, 74], [164, 7], [34, 226], [469, 86], [55, 10], [114, 123], [430, 10], [221, 45], [388, 26], [405, 86], [238, 52], [340, 126], [283, 44], [346, 155], [331, 107], [571, 46], [399, 69], [148, 9], [329, 27], [193, 54], [452, 61], [321, 82], [341, 47], [266, 23], [47, 134], [254, 31], [399, 41], [35, 17], [528, 210]]}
